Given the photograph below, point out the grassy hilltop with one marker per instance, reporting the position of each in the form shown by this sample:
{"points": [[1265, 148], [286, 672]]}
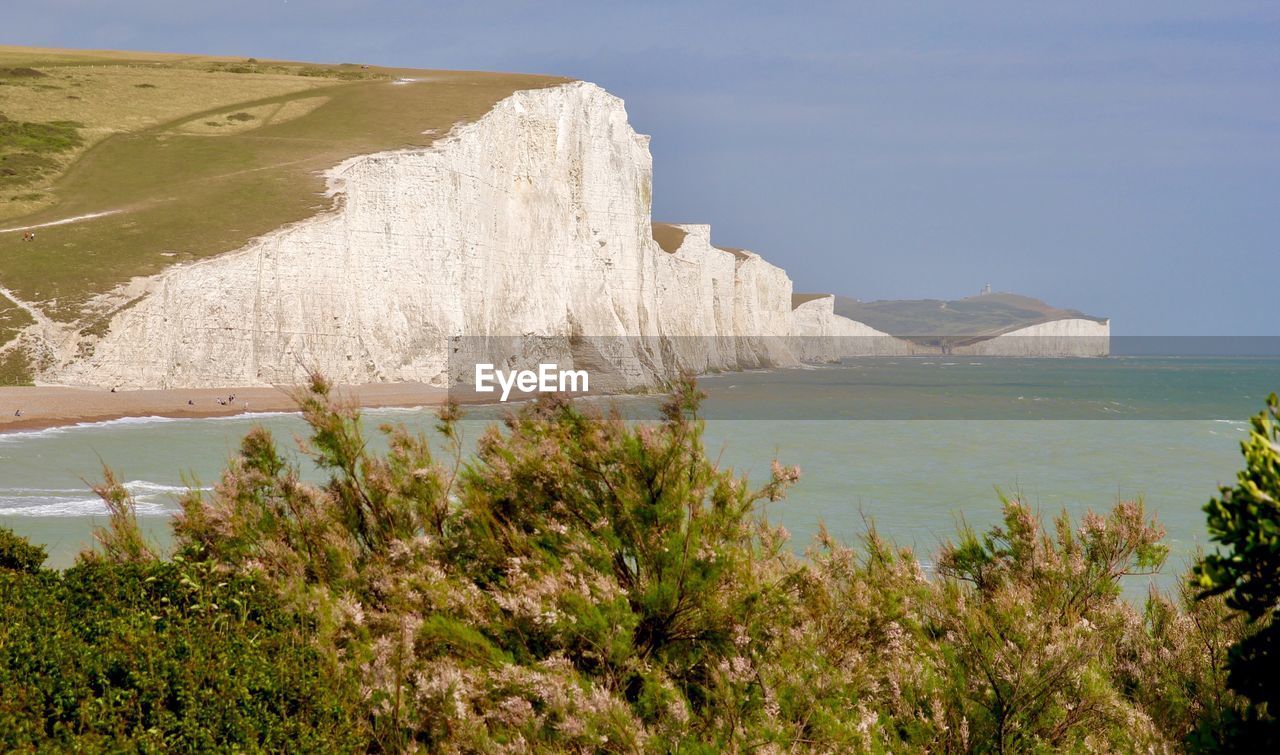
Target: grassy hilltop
{"points": [[181, 157]]}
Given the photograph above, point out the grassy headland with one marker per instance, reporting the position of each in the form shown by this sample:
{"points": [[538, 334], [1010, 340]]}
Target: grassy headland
{"points": [[178, 158], [974, 318]]}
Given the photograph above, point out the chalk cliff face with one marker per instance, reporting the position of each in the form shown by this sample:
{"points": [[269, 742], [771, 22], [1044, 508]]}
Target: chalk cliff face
{"points": [[818, 334], [1070, 338], [697, 296], [761, 312], [532, 221]]}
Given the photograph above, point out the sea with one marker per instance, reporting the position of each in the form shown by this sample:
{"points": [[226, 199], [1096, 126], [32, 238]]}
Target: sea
{"points": [[915, 447]]}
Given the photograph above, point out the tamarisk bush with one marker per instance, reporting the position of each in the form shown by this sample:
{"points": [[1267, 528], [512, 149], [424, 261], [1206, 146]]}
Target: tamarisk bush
{"points": [[584, 583]]}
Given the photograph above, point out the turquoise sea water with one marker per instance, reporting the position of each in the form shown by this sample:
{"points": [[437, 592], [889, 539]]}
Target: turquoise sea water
{"points": [[913, 444]]}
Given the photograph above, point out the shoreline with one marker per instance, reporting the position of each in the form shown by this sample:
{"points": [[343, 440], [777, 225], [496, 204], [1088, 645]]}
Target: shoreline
{"points": [[47, 406]]}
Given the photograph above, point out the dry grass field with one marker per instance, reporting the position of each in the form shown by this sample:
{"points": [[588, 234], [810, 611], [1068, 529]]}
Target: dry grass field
{"points": [[174, 158], [668, 236]]}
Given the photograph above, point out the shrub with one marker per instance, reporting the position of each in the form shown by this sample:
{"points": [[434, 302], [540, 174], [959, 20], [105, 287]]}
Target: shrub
{"points": [[1245, 519], [589, 583], [161, 656], [1031, 624], [585, 583], [17, 554], [609, 571], [1180, 677]]}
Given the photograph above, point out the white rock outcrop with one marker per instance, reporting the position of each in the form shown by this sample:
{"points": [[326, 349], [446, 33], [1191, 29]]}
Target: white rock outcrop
{"points": [[524, 236], [697, 297], [1071, 337], [531, 221], [819, 334]]}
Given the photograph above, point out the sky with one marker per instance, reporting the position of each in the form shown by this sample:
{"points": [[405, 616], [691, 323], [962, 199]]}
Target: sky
{"points": [[1118, 158]]}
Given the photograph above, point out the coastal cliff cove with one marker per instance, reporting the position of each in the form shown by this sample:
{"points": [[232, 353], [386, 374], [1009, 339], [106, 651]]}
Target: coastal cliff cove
{"points": [[347, 407]]}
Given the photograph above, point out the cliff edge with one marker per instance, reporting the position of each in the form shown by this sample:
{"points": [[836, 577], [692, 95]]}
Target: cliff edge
{"points": [[527, 231]]}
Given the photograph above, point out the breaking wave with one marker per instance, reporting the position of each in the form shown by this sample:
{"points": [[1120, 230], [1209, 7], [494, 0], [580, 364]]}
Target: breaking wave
{"points": [[152, 499]]}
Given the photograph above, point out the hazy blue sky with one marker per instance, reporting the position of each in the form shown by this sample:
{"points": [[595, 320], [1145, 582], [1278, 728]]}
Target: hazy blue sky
{"points": [[1122, 158]]}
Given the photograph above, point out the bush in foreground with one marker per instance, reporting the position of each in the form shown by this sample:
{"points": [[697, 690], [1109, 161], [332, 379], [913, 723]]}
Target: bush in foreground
{"points": [[1246, 520], [160, 656], [589, 584]]}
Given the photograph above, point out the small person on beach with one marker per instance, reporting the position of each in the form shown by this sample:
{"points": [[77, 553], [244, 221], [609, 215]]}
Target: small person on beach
{"points": [[18, 413], [190, 402]]}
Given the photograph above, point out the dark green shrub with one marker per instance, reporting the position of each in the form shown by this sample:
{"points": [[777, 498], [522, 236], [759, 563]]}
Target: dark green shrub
{"points": [[1245, 520], [162, 656], [17, 554]]}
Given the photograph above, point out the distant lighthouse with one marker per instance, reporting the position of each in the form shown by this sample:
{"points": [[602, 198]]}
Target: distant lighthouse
{"points": [[985, 290]]}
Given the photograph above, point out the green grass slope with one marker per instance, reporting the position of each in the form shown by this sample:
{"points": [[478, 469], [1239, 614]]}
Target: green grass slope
{"points": [[934, 321], [184, 157]]}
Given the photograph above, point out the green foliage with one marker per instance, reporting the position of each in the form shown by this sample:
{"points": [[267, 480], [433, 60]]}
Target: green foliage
{"points": [[27, 150], [56, 136], [160, 657], [588, 583], [1245, 520], [15, 367], [17, 554], [1031, 646], [611, 568], [121, 540], [337, 73], [584, 583]]}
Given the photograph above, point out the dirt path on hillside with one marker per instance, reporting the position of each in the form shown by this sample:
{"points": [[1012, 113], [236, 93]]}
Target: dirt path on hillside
{"points": [[40, 318], [63, 221]]}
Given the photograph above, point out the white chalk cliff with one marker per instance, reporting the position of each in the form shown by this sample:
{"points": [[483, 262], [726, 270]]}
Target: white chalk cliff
{"points": [[532, 221], [820, 335], [1074, 337]]}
